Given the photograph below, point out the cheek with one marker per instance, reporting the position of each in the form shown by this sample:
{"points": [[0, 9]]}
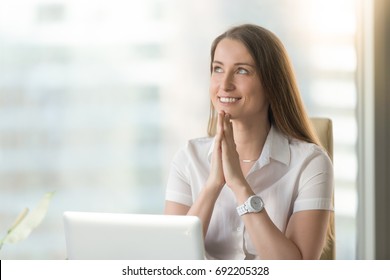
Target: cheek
{"points": [[213, 88], [257, 98], [213, 93]]}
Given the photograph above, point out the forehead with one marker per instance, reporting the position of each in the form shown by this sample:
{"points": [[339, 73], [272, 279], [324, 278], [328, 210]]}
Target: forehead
{"points": [[232, 51]]}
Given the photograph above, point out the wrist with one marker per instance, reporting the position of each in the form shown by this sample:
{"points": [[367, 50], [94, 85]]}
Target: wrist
{"points": [[242, 192], [213, 188]]}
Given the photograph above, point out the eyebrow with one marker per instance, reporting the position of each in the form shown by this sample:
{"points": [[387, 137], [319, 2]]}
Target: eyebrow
{"points": [[236, 64]]}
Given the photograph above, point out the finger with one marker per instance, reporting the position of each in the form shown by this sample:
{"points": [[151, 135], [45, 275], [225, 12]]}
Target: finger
{"points": [[219, 134], [228, 129], [220, 125], [226, 123]]}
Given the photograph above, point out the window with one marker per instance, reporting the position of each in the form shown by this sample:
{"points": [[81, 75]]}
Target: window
{"points": [[96, 99]]}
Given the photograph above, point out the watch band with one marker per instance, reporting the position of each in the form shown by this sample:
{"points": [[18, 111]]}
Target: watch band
{"points": [[241, 210], [248, 207]]}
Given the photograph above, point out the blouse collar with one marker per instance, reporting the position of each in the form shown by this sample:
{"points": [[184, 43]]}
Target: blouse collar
{"points": [[276, 146]]}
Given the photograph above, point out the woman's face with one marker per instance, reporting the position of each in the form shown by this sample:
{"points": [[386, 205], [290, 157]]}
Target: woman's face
{"points": [[235, 86]]}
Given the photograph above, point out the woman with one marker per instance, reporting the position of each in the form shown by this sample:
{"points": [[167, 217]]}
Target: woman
{"points": [[261, 184]]}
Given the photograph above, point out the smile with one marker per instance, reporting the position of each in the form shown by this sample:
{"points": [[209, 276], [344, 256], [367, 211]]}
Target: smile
{"points": [[228, 99]]}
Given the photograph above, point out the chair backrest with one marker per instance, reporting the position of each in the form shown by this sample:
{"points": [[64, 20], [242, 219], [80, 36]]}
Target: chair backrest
{"points": [[324, 129]]}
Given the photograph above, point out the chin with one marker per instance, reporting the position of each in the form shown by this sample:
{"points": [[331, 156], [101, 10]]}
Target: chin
{"points": [[227, 110], [232, 116]]}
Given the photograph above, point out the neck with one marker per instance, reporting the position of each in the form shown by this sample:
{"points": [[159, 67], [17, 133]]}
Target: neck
{"points": [[250, 138]]}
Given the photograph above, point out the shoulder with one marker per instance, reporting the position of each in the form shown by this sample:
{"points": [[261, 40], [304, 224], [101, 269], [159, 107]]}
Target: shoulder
{"points": [[309, 149], [290, 150], [197, 148], [200, 144], [310, 154]]}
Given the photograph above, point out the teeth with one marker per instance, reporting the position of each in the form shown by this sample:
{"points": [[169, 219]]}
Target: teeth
{"points": [[228, 99]]}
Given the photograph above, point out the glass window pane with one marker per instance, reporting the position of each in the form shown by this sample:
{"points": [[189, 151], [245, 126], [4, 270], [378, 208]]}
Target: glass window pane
{"points": [[96, 99]]}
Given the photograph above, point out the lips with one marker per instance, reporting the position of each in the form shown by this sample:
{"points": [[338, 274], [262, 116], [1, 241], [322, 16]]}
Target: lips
{"points": [[228, 99]]}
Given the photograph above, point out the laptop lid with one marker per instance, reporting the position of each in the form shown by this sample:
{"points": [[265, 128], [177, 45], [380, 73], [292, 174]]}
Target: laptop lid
{"points": [[117, 236]]}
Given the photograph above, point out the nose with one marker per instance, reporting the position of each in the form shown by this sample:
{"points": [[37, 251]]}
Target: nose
{"points": [[227, 82]]}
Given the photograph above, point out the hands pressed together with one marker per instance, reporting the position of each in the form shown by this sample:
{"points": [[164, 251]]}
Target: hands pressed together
{"points": [[225, 162]]}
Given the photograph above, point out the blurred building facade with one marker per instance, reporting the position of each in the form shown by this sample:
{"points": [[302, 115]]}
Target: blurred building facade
{"points": [[96, 99]]}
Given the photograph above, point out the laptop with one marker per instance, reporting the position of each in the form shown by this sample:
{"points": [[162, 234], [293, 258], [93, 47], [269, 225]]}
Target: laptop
{"points": [[115, 236]]}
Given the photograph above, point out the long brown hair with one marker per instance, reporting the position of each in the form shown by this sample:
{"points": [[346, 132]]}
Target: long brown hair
{"points": [[286, 110]]}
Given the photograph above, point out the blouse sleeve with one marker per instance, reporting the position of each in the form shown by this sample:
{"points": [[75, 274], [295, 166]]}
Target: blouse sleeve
{"points": [[178, 186], [316, 184]]}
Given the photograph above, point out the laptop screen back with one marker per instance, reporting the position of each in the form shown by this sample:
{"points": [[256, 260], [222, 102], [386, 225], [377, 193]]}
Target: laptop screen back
{"points": [[111, 236]]}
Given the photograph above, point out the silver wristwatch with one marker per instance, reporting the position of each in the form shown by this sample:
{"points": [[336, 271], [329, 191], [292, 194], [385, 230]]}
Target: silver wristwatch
{"points": [[254, 204]]}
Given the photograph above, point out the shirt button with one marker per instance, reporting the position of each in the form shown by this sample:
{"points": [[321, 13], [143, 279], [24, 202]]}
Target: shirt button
{"points": [[238, 229]]}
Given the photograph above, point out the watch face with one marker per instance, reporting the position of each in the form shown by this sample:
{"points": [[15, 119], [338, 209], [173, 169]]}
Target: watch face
{"points": [[256, 203]]}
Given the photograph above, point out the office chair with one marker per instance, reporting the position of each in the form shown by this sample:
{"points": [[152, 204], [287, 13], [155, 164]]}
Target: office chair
{"points": [[324, 129]]}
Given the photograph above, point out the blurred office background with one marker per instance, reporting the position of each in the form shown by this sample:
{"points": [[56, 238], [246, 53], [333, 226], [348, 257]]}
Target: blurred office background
{"points": [[97, 96]]}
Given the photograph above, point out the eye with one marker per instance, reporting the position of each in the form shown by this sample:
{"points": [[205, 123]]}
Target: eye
{"points": [[217, 69], [242, 71]]}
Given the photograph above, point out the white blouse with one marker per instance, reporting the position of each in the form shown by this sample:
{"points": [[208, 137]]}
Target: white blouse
{"points": [[290, 176]]}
